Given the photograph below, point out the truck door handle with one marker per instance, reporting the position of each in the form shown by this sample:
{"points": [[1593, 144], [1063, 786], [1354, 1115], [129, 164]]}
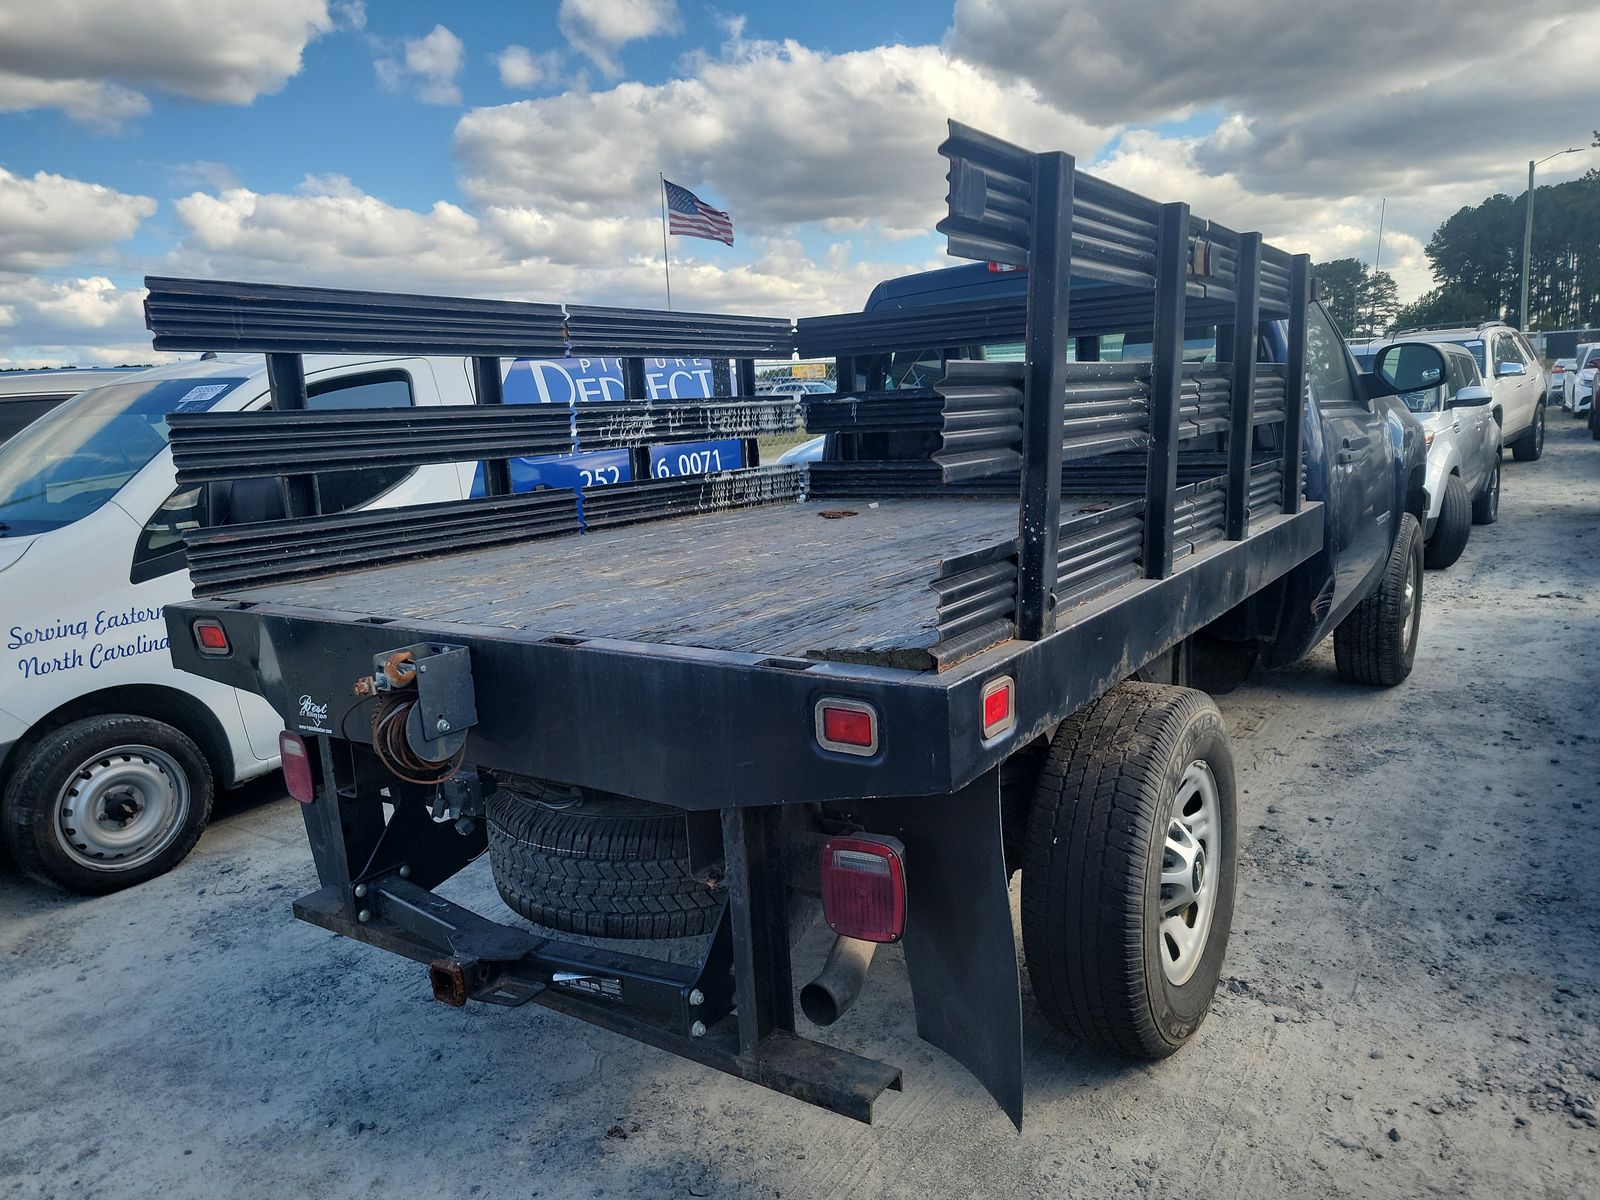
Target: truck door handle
{"points": [[1351, 450]]}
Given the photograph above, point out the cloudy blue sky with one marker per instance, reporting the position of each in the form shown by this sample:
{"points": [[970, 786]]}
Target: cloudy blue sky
{"points": [[511, 149]]}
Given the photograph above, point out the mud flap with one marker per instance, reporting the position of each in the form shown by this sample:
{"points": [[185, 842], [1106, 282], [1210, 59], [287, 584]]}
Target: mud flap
{"points": [[960, 951]]}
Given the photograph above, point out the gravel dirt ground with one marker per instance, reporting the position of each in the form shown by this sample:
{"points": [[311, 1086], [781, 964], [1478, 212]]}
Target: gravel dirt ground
{"points": [[1409, 1006]]}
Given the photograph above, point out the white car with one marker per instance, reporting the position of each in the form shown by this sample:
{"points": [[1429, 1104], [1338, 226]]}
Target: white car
{"points": [[1510, 369], [1463, 439], [1556, 381], [793, 387], [109, 756], [1578, 393]]}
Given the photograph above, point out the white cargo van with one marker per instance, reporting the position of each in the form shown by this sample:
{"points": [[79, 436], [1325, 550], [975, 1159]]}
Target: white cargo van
{"points": [[109, 757]]}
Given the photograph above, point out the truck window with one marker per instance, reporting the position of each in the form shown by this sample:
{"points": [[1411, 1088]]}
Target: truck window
{"points": [[343, 490], [1327, 365]]}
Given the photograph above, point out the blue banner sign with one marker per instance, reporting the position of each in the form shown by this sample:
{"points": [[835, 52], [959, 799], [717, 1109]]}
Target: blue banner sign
{"points": [[696, 458], [586, 380]]}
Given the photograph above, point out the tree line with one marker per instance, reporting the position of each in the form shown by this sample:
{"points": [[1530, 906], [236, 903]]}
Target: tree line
{"points": [[1476, 255]]}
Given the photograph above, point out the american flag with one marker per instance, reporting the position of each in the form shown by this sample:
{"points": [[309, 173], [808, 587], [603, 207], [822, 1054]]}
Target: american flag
{"points": [[693, 217]]}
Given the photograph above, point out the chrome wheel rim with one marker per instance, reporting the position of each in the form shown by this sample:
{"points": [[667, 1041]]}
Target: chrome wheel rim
{"points": [[1538, 437], [1190, 860], [121, 808], [1408, 597], [1494, 497]]}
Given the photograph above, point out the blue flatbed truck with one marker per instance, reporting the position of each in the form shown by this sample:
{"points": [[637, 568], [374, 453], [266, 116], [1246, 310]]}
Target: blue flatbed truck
{"points": [[959, 646]]}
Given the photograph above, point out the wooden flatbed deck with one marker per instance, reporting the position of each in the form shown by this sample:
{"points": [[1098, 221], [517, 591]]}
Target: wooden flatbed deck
{"points": [[776, 579]]}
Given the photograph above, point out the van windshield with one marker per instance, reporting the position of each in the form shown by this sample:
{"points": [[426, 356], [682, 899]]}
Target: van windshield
{"points": [[73, 459]]}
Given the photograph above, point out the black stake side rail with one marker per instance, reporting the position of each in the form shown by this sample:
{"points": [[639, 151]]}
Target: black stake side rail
{"points": [[1037, 211], [230, 557], [209, 446]]}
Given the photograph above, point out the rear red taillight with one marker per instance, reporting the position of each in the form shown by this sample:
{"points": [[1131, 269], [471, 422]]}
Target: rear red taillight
{"points": [[211, 638], [296, 767], [864, 887], [847, 726], [999, 707]]}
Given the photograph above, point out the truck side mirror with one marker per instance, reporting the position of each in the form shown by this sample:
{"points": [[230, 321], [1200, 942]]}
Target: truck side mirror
{"points": [[1470, 397], [1405, 367], [1501, 370]]}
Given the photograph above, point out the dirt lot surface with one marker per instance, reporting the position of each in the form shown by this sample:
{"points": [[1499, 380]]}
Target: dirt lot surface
{"points": [[1409, 1008]]}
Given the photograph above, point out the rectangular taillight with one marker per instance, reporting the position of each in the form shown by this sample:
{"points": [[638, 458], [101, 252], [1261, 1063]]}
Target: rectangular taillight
{"points": [[211, 638], [847, 726], [999, 701], [296, 767], [864, 887]]}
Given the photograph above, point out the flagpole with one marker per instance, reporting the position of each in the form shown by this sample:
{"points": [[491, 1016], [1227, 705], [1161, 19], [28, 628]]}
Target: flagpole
{"points": [[666, 262]]}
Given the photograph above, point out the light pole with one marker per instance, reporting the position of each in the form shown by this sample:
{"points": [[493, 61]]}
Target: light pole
{"points": [[1527, 231]]}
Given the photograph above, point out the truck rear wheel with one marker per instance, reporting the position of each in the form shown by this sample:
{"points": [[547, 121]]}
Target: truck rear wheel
{"points": [[106, 802], [610, 867], [1128, 879], [1455, 526], [1377, 643]]}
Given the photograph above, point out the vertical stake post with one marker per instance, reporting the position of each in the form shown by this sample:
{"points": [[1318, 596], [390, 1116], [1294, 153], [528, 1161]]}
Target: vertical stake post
{"points": [[1166, 382], [1294, 380], [1241, 431], [1044, 395]]}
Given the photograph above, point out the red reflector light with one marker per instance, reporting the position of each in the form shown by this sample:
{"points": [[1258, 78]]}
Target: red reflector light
{"points": [[999, 706], [864, 887], [211, 637], [847, 726], [296, 767]]}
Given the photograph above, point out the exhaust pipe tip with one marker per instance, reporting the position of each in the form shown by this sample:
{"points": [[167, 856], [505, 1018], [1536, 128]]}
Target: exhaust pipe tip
{"points": [[829, 996]]}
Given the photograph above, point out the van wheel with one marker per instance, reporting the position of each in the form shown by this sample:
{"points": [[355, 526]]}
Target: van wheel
{"points": [[1486, 504], [1377, 643], [1128, 880], [1530, 445], [1455, 526], [106, 802]]}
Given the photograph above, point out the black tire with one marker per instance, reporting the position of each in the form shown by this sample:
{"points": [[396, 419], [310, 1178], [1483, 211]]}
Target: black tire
{"points": [[105, 752], [603, 867], [1092, 892], [1594, 421], [1530, 445], [1454, 527], [1377, 643], [1486, 504]]}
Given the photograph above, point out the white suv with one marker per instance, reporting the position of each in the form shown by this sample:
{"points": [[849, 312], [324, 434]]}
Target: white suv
{"points": [[1511, 370]]}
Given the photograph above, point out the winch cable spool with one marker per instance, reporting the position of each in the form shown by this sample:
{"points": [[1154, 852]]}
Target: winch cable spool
{"points": [[390, 714]]}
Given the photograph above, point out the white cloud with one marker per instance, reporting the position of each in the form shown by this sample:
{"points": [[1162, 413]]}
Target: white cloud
{"points": [[1341, 226], [780, 133], [522, 68], [330, 232], [86, 320], [429, 65], [91, 102], [599, 28], [51, 219], [89, 58]]}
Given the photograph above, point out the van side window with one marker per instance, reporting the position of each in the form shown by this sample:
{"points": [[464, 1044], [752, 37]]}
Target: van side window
{"points": [[159, 549], [343, 490], [1327, 365]]}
